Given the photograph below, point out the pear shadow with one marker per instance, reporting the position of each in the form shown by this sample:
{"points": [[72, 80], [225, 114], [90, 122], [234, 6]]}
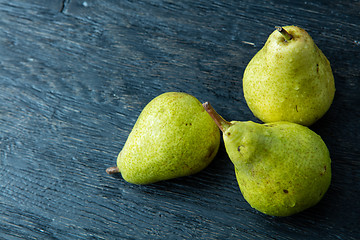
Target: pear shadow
{"points": [[218, 177], [315, 221]]}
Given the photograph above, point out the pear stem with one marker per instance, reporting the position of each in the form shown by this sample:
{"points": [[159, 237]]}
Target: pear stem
{"points": [[112, 170], [284, 33], [220, 122]]}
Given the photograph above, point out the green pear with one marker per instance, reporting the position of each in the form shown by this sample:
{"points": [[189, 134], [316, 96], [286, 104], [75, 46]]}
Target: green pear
{"points": [[282, 168], [173, 137], [289, 79]]}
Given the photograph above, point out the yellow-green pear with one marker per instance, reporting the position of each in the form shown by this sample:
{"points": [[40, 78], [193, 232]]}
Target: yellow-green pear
{"points": [[173, 137], [289, 79], [282, 168]]}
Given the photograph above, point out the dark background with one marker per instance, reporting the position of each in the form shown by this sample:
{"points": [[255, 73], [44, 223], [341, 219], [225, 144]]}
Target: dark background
{"points": [[75, 75]]}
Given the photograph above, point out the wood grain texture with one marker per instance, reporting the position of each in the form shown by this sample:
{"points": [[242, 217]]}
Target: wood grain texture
{"points": [[75, 75]]}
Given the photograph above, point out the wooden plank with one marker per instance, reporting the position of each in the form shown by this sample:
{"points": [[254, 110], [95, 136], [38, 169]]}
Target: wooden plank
{"points": [[74, 77]]}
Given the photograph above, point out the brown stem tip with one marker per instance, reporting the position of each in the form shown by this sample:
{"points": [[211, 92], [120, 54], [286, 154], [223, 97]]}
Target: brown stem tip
{"points": [[112, 170], [284, 33], [220, 122]]}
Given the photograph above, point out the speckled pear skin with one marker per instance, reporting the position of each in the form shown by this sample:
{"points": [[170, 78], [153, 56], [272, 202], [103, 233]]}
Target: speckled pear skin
{"points": [[282, 168], [289, 80], [173, 137]]}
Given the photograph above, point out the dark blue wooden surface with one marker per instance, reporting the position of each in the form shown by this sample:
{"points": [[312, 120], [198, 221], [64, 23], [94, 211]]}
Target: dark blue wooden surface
{"points": [[75, 75]]}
